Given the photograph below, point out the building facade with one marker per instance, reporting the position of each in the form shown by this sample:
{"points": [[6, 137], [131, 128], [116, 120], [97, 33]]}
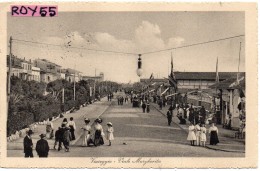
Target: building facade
{"points": [[21, 68], [36, 76], [96, 78], [49, 71], [71, 75]]}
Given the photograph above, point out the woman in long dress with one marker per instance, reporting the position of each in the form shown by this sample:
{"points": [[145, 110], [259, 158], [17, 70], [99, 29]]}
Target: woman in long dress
{"points": [[86, 135], [213, 131], [191, 136], [98, 133], [203, 137], [49, 129]]}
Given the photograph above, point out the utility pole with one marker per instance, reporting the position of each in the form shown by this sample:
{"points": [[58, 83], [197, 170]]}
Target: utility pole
{"points": [[74, 83], [94, 93], [10, 70], [62, 95]]}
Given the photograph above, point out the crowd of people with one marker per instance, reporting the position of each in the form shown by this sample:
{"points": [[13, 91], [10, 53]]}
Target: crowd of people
{"points": [[65, 134], [198, 133]]}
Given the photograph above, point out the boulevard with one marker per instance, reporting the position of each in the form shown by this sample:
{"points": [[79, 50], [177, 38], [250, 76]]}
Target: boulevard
{"points": [[137, 134]]}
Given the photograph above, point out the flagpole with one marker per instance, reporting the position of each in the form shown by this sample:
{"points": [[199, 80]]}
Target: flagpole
{"points": [[238, 62], [74, 84], [217, 76]]}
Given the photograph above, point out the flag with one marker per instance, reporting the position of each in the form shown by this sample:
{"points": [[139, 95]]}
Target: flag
{"points": [[172, 79], [151, 77], [217, 76], [165, 91]]}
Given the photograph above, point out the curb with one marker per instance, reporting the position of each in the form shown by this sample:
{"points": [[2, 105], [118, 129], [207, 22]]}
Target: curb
{"points": [[73, 143], [225, 150], [207, 146]]}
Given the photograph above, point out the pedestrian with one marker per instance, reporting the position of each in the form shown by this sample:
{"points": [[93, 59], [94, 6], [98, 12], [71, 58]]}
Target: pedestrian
{"points": [[122, 100], [42, 146], [28, 144], [67, 139], [191, 113], [86, 135], [171, 108], [110, 133], [180, 115], [213, 131], [143, 107], [203, 114], [126, 99], [147, 107], [169, 117], [98, 133], [61, 133], [196, 115], [160, 104], [118, 100], [65, 122], [197, 133], [72, 126], [203, 137], [58, 135], [191, 135], [49, 129]]}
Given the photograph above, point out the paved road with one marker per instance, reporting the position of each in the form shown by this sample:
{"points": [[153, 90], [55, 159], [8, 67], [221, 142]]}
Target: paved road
{"points": [[145, 135]]}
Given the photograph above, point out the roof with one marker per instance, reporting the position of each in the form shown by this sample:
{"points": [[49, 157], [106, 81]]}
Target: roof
{"points": [[230, 83], [204, 75], [197, 76], [71, 71], [91, 77], [47, 61]]}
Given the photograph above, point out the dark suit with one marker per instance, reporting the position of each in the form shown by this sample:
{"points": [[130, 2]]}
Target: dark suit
{"points": [[27, 144], [42, 148], [169, 117]]}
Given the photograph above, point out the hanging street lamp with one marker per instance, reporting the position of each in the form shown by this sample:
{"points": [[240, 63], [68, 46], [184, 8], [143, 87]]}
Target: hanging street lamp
{"points": [[139, 70]]}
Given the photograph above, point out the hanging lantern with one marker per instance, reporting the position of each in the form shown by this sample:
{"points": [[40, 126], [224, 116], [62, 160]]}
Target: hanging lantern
{"points": [[139, 70]]}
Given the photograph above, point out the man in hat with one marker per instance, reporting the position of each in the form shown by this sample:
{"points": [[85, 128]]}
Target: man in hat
{"points": [[42, 146], [169, 117], [28, 144]]}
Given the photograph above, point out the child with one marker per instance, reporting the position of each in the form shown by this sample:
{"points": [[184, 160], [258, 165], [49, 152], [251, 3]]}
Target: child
{"points": [[86, 136], [197, 133], [203, 137], [110, 131], [191, 136]]}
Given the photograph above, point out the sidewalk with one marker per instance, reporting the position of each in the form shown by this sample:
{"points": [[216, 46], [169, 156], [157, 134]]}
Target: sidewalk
{"points": [[228, 142], [91, 111]]}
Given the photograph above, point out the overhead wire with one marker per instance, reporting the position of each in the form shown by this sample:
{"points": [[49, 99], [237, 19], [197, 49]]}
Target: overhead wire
{"points": [[73, 47], [194, 44], [129, 53]]}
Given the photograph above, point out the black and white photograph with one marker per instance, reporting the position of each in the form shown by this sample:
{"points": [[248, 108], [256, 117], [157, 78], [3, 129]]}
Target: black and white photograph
{"points": [[127, 84]]}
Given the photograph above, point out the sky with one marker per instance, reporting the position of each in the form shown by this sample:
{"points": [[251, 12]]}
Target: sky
{"points": [[132, 32]]}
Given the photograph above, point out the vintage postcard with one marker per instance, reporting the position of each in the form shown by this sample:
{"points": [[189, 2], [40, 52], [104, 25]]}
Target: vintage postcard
{"points": [[128, 85]]}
